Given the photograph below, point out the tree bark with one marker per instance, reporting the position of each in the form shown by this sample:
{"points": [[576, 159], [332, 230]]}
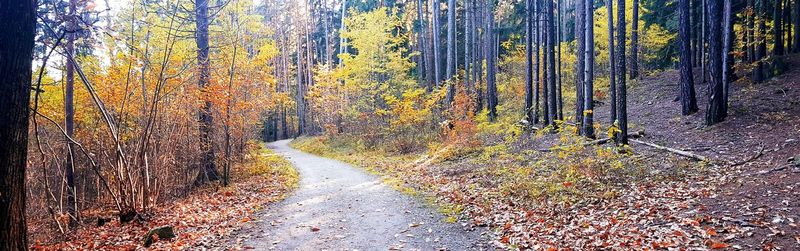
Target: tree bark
{"points": [[622, 109], [796, 20], [491, 88], [716, 103], [612, 61], [777, 29], [69, 114], [634, 70], [18, 19], [436, 44], [209, 169], [580, 33], [588, 83], [551, 66], [687, 93], [529, 61]]}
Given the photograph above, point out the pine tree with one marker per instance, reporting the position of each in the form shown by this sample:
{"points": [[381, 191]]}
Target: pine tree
{"points": [[687, 93]]}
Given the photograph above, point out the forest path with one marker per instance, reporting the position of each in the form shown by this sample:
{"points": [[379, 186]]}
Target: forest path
{"points": [[339, 207]]}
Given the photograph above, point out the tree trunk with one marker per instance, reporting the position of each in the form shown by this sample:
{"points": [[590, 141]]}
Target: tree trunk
{"points": [[588, 83], [451, 40], [611, 61], [580, 39], [491, 88], [536, 68], [727, 55], [761, 43], [69, 115], [559, 30], [716, 100], [777, 29], [796, 20], [529, 61], [687, 93], [209, 169], [551, 66], [342, 46], [18, 19], [622, 109], [634, 71], [750, 32], [436, 44], [300, 100]]}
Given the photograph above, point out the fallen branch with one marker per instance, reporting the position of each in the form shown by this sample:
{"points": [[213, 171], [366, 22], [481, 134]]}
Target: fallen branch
{"points": [[638, 134], [756, 156], [774, 169], [673, 150]]}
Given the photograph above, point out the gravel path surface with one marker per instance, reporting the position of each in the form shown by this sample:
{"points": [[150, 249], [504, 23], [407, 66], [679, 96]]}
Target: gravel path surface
{"points": [[339, 207]]}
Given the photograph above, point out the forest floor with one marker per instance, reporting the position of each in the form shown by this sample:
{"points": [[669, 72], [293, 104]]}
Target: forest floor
{"points": [[338, 207], [204, 219], [548, 191]]}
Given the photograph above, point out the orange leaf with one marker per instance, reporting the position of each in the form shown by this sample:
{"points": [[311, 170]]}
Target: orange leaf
{"points": [[716, 244]]}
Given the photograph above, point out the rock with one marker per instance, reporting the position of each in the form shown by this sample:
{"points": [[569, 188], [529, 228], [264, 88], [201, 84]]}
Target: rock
{"points": [[163, 232], [795, 161]]}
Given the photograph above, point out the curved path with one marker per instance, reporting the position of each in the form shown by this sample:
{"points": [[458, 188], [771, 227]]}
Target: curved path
{"points": [[338, 207]]}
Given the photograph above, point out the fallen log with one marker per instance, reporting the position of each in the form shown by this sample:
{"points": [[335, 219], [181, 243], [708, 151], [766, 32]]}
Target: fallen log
{"points": [[672, 150], [638, 134]]}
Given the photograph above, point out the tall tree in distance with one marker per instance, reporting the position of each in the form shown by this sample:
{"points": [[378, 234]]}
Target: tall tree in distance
{"points": [[622, 96], [208, 170], [536, 69], [588, 83], [580, 53], [716, 101], [612, 65], [777, 28], [490, 50], [634, 70], [18, 21], [687, 93]]}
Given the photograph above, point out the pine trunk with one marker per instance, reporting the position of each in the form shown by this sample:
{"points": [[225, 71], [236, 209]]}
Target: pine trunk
{"points": [[580, 33], [209, 169], [622, 112], [612, 61], [634, 71], [588, 83], [716, 100], [16, 51], [687, 94]]}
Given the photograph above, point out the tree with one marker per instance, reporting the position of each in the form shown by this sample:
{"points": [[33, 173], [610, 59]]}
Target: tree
{"points": [[580, 53], [777, 29], [588, 83], [69, 113], [622, 109], [529, 116], [536, 66], [490, 52], [436, 44], [687, 93], [208, 171], [796, 20], [451, 51], [550, 54], [18, 20], [611, 61], [716, 101], [634, 71], [422, 64]]}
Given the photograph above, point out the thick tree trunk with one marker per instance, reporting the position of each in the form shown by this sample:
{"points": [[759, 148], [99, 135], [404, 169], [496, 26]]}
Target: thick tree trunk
{"points": [[716, 102], [209, 169], [687, 93], [761, 43], [777, 28], [580, 33], [491, 87], [622, 106], [612, 61], [18, 19], [588, 83], [634, 71]]}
